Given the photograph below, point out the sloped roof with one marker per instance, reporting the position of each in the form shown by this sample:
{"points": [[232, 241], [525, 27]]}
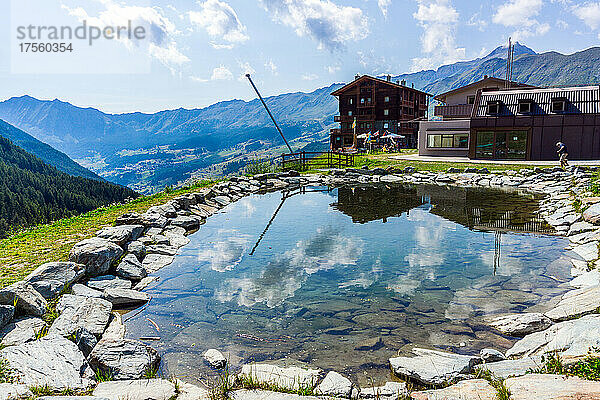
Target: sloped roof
{"points": [[489, 79], [579, 100], [367, 77]]}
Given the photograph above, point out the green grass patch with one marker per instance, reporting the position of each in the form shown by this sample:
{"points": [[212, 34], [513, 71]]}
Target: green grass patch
{"points": [[588, 368], [23, 252], [7, 375]]}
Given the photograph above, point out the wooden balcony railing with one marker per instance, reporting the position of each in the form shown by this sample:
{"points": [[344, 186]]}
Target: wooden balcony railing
{"points": [[454, 111]]}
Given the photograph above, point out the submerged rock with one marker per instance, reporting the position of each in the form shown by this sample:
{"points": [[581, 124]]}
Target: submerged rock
{"points": [[473, 389], [291, 378], [147, 389], [96, 254], [51, 361], [334, 385], [215, 358], [551, 387], [28, 300], [51, 278], [521, 324], [124, 359], [448, 366]]}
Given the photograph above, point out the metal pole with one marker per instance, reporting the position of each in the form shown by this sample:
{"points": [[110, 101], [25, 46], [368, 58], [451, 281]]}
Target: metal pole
{"points": [[269, 112]]}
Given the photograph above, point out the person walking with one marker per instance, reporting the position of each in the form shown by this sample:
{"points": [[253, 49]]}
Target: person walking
{"points": [[562, 154]]}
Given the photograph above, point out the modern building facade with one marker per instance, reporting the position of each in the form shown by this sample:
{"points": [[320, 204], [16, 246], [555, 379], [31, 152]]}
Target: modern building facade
{"points": [[378, 105], [447, 134]]}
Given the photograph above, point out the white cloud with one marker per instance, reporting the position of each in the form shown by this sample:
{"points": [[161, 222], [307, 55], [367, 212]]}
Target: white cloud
{"points": [[383, 6], [198, 79], [310, 77], [589, 13], [331, 25], [221, 73], [438, 18], [270, 65], [160, 41], [521, 15], [477, 22], [221, 23], [332, 69], [562, 24], [246, 68]]}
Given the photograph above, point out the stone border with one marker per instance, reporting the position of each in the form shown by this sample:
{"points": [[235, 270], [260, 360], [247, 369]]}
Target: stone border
{"points": [[112, 269]]}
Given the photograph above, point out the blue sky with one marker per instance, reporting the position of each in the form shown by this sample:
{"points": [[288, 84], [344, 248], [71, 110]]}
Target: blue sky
{"points": [[198, 51]]}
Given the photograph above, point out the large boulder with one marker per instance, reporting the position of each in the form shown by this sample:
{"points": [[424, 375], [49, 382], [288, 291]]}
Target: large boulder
{"points": [[187, 222], [121, 234], [82, 290], [147, 389], [138, 249], [28, 300], [7, 312], [124, 359], [551, 387], [21, 331], [448, 366], [131, 218], [569, 339], [472, 389], [51, 361], [290, 378], [521, 324], [131, 268], [215, 358], [115, 329], [51, 278], [125, 297], [576, 303], [96, 254], [109, 282], [154, 262], [335, 385], [154, 220], [79, 312], [592, 214], [588, 251]]}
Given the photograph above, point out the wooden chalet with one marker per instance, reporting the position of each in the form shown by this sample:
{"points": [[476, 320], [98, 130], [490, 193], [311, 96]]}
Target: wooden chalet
{"points": [[378, 105]]}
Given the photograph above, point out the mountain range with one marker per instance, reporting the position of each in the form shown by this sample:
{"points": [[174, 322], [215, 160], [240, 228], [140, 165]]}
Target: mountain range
{"points": [[150, 151]]}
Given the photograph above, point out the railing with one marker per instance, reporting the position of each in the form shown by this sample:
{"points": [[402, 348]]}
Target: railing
{"points": [[306, 160], [454, 111]]}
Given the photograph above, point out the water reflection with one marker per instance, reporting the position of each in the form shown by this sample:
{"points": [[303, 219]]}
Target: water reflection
{"points": [[345, 278]]}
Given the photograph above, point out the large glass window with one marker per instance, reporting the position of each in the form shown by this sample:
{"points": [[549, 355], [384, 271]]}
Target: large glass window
{"points": [[502, 145], [448, 141], [485, 145]]}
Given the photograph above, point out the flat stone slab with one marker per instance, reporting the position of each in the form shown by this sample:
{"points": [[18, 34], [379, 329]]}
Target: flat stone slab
{"points": [[433, 367], [79, 312], [21, 331], [82, 290], [11, 391], [123, 359], [51, 361], [569, 338], [389, 391], [146, 389], [588, 251], [335, 385], [109, 282], [472, 389], [587, 279], [291, 378], [154, 262], [267, 395], [125, 297], [51, 278], [576, 303], [509, 368], [96, 254], [552, 387], [521, 324], [592, 214], [121, 234], [188, 391]]}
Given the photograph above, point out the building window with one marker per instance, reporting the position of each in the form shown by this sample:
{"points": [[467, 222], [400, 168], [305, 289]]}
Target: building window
{"points": [[387, 99], [448, 141], [348, 141], [524, 107], [349, 113], [386, 125], [493, 107], [350, 101], [558, 105], [362, 100], [470, 99], [386, 112]]}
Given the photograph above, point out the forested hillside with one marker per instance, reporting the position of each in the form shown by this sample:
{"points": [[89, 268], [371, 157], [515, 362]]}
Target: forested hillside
{"points": [[32, 192]]}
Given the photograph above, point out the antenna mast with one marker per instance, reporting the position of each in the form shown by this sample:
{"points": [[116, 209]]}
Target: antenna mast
{"points": [[509, 63], [269, 112]]}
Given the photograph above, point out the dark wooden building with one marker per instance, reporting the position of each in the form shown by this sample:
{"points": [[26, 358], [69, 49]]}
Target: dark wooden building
{"points": [[526, 124], [378, 105]]}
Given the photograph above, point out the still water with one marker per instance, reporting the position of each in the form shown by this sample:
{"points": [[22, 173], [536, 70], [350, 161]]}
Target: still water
{"points": [[345, 278]]}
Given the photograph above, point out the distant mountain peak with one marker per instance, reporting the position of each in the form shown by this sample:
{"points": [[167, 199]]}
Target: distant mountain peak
{"points": [[502, 51]]}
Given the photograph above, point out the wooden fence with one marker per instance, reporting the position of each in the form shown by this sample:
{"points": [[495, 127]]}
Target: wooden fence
{"points": [[305, 160]]}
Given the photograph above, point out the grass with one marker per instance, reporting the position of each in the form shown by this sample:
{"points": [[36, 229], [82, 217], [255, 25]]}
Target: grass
{"points": [[502, 392], [595, 183], [102, 376], [151, 372], [23, 252], [588, 368], [7, 375]]}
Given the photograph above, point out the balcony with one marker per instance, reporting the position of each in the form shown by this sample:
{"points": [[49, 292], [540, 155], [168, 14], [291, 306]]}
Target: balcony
{"points": [[454, 111]]}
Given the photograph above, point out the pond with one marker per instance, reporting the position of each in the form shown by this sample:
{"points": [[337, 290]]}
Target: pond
{"points": [[345, 278]]}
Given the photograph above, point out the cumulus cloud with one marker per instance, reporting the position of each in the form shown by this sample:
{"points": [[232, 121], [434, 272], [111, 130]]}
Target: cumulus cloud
{"points": [[331, 25], [221, 23], [270, 65], [477, 22], [226, 251], [438, 18], [589, 13], [160, 31], [383, 6], [521, 15], [310, 77], [221, 73]]}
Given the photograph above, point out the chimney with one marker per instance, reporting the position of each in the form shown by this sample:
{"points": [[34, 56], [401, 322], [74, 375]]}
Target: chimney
{"points": [[412, 85], [389, 78], [357, 76], [403, 82], [397, 82]]}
